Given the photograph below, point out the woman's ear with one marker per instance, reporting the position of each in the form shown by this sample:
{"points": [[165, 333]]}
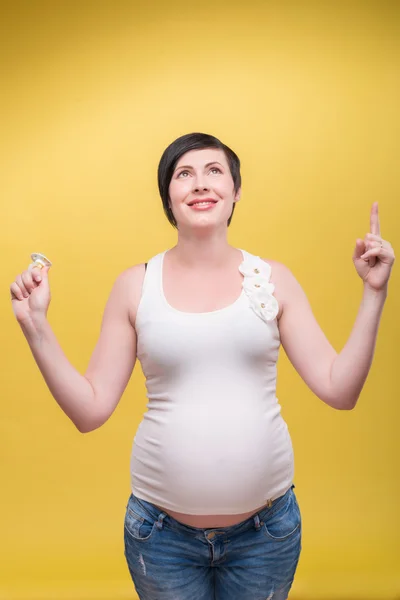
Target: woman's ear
{"points": [[237, 195]]}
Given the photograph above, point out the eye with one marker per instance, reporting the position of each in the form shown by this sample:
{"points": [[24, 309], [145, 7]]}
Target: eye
{"points": [[187, 172]]}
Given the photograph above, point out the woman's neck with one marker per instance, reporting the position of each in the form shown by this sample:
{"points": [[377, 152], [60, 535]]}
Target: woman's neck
{"points": [[207, 253]]}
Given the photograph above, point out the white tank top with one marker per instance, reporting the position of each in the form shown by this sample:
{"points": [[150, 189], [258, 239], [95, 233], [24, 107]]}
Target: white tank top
{"points": [[213, 441]]}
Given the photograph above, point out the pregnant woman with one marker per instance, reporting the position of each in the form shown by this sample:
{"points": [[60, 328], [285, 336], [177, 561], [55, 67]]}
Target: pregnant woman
{"points": [[212, 513]]}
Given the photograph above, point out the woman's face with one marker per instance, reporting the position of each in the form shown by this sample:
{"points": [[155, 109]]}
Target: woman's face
{"points": [[201, 190]]}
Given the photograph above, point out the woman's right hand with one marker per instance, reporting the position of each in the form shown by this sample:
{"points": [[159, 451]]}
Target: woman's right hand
{"points": [[30, 294]]}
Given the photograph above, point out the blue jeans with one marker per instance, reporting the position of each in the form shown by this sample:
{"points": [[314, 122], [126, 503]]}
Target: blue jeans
{"points": [[252, 560]]}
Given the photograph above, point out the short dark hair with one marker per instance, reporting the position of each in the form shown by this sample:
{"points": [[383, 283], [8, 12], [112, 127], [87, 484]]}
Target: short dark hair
{"points": [[183, 144]]}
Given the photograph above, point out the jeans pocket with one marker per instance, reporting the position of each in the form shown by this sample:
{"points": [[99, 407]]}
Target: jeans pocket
{"points": [[283, 522], [137, 526]]}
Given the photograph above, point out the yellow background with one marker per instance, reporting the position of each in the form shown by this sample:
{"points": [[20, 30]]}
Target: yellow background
{"points": [[307, 94]]}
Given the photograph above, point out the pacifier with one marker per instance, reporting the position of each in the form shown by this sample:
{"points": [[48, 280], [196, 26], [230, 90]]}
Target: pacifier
{"points": [[40, 260]]}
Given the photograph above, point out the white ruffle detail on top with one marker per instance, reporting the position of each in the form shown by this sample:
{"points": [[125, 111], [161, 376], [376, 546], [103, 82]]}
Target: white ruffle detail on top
{"points": [[258, 288]]}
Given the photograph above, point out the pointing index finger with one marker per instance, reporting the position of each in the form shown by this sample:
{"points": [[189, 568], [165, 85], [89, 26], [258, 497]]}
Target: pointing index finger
{"points": [[375, 227]]}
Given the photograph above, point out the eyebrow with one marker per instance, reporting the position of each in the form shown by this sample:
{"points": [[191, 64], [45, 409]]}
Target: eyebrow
{"points": [[214, 162]]}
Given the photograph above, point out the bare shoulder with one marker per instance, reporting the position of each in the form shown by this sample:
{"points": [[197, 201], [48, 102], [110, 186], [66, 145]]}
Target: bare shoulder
{"points": [[129, 285], [283, 279]]}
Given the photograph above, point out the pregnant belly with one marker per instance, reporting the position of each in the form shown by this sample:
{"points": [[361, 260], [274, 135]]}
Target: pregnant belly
{"points": [[214, 472]]}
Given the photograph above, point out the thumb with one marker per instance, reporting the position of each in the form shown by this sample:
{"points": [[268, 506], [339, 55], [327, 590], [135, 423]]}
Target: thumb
{"points": [[44, 277], [359, 249]]}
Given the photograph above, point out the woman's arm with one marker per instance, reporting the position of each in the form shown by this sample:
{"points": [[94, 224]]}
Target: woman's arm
{"points": [[351, 367], [90, 399], [337, 379]]}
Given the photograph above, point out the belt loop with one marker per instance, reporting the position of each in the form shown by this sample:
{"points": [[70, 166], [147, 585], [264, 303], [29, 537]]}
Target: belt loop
{"points": [[160, 520], [257, 525]]}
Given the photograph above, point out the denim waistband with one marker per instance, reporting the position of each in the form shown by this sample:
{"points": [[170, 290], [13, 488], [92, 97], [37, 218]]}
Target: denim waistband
{"points": [[254, 520]]}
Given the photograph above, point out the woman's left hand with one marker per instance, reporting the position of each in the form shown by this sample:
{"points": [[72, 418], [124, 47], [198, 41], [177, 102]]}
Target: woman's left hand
{"points": [[374, 257]]}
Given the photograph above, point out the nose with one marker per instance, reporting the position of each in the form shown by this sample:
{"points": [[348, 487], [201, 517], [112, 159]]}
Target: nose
{"points": [[200, 187]]}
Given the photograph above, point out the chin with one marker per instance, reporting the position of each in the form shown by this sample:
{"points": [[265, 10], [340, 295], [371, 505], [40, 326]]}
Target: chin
{"points": [[204, 222]]}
